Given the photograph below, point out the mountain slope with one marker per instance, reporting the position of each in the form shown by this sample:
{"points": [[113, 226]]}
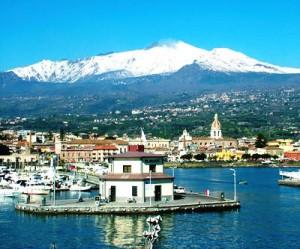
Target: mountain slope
{"points": [[164, 58]]}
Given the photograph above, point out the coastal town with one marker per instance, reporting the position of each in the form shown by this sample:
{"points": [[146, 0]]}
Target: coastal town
{"points": [[20, 148], [149, 124]]}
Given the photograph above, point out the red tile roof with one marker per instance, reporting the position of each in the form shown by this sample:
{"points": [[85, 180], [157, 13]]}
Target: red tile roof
{"points": [[98, 141], [136, 154], [105, 147]]}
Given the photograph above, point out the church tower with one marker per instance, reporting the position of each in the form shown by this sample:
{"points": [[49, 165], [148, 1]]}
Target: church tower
{"points": [[215, 131]]}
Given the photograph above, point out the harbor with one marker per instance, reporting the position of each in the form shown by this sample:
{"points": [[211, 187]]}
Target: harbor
{"points": [[261, 200], [186, 203]]}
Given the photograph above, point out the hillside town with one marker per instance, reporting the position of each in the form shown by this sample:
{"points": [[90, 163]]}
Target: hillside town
{"points": [[19, 148]]}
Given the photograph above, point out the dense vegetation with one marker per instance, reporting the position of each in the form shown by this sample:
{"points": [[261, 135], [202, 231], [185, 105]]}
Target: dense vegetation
{"points": [[274, 113]]}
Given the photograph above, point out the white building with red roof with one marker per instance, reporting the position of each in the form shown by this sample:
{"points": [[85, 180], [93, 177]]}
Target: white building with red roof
{"points": [[137, 176]]}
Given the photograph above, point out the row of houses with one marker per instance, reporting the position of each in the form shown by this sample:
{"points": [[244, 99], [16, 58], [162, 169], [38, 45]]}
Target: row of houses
{"points": [[91, 148]]}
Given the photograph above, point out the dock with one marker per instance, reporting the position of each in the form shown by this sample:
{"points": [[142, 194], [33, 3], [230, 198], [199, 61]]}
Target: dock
{"points": [[289, 182], [188, 203]]}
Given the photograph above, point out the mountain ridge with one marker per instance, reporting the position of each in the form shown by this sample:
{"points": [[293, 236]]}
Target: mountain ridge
{"points": [[158, 59]]}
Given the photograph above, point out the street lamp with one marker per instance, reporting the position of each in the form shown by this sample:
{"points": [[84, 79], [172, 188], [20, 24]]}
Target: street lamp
{"points": [[53, 166], [234, 183], [150, 188], [173, 171]]}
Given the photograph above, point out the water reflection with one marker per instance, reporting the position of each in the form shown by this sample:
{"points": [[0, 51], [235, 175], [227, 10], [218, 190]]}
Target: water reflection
{"points": [[269, 218], [126, 231]]}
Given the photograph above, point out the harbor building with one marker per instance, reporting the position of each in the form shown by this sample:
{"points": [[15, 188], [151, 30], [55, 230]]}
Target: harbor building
{"points": [[136, 176]]}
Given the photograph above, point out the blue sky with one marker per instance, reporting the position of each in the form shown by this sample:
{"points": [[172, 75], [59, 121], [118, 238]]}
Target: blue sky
{"points": [[32, 30]]}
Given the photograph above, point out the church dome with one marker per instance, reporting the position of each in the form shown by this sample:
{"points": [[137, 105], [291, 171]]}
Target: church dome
{"points": [[216, 125]]}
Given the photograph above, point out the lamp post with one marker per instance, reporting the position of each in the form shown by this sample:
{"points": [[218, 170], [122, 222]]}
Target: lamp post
{"points": [[150, 188], [173, 171], [53, 162], [234, 183]]}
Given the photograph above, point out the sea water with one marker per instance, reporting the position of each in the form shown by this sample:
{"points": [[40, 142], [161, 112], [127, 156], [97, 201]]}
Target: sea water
{"points": [[269, 218]]}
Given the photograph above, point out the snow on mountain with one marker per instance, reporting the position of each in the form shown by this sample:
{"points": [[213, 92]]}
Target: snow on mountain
{"points": [[163, 58]]}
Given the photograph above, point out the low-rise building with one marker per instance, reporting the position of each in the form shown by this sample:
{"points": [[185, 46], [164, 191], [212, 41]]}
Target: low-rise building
{"points": [[228, 155], [91, 150], [284, 144], [292, 155], [136, 176], [101, 153]]}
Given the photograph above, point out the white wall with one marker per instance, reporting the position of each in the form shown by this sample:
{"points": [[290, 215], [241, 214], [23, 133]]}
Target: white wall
{"points": [[124, 190], [166, 188], [159, 168], [136, 166]]}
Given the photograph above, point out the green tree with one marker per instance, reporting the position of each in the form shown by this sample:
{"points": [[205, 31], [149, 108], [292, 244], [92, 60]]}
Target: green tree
{"points": [[4, 150], [50, 135], [266, 156], [187, 157], [62, 134], [246, 156], [261, 141], [201, 156], [256, 156]]}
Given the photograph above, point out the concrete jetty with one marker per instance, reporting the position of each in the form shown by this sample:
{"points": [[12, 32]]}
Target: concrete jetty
{"points": [[289, 182], [188, 203]]}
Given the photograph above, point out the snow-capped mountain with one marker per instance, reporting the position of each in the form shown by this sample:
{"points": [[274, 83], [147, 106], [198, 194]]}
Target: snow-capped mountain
{"points": [[162, 58]]}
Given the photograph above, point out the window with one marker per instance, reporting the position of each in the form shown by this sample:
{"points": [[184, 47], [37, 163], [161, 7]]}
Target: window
{"points": [[134, 191], [152, 168], [126, 168]]}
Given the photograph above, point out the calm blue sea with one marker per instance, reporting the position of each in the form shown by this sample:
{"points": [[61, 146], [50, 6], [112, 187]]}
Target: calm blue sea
{"points": [[269, 218]]}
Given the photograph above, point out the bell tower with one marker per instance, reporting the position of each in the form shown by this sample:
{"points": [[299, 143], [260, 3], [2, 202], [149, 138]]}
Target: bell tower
{"points": [[215, 131]]}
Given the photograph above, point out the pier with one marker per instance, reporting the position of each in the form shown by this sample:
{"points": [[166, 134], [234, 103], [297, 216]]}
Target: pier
{"points": [[289, 182], [188, 203]]}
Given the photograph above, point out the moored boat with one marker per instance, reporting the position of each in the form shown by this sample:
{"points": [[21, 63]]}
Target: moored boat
{"points": [[8, 192], [290, 174], [77, 187]]}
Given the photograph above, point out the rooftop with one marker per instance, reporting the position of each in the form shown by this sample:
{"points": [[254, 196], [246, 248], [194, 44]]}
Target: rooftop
{"points": [[98, 141], [136, 154], [130, 176], [105, 147]]}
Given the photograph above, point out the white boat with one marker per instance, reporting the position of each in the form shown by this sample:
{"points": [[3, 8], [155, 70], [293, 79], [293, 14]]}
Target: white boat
{"points": [[31, 188], [77, 187], [36, 189], [4, 183], [8, 192], [79, 184], [290, 174]]}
